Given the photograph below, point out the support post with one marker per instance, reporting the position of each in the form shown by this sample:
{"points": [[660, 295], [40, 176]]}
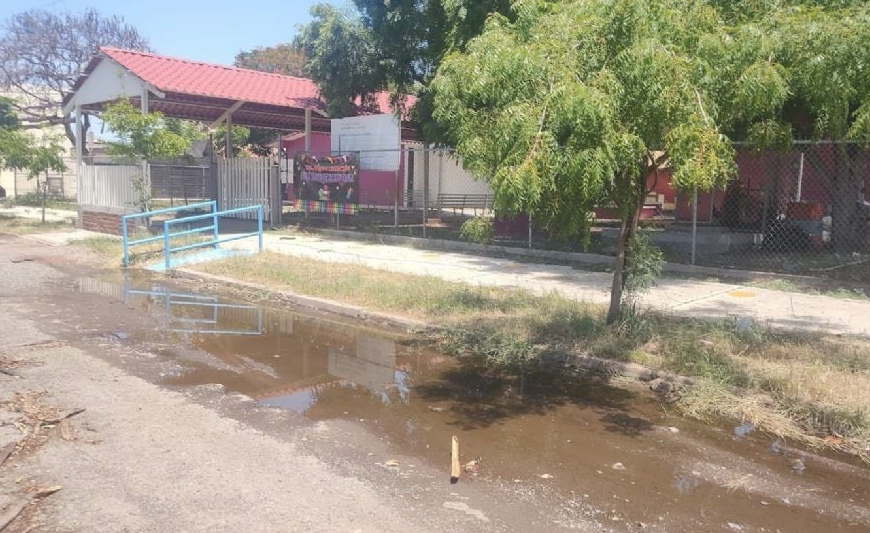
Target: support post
{"points": [[694, 224], [425, 187], [307, 130], [229, 137], [216, 233], [126, 239], [396, 207], [166, 247], [79, 148]]}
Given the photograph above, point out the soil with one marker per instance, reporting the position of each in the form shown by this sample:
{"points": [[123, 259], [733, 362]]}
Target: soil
{"points": [[204, 413]]}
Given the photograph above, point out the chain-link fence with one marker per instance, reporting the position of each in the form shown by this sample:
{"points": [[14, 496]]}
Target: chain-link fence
{"points": [[804, 210]]}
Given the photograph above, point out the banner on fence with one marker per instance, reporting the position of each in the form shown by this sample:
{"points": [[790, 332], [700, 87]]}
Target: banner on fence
{"points": [[327, 184]]}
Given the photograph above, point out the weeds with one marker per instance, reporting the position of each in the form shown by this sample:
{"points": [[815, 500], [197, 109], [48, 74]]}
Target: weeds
{"points": [[23, 226]]}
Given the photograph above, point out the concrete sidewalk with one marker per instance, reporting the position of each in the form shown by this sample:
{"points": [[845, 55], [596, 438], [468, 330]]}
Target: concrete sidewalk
{"points": [[682, 297], [51, 215]]}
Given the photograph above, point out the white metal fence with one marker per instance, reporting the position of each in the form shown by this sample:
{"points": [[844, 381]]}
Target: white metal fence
{"points": [[113, 185], [249, 181]]}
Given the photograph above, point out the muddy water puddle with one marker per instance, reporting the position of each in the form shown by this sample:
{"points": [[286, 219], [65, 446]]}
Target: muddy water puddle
{"points": [[608, 449]]}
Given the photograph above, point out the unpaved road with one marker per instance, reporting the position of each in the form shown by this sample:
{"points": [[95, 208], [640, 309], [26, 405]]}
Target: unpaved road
{"points": [[146, 458]]}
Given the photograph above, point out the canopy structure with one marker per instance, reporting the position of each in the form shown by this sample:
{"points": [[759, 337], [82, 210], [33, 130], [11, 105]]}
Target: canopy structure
{"points": [[204, 92]]}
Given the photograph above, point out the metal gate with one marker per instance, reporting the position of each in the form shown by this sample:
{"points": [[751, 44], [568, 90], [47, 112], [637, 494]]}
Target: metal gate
{"points": [[250, 181]]}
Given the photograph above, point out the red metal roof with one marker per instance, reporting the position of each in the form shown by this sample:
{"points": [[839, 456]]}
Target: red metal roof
{"points": [[171, 74], [200, 91], [176, 75]]}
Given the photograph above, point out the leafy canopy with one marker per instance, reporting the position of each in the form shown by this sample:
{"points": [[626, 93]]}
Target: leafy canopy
{"points": [[145, 135], [278, 59], [569, 104]]}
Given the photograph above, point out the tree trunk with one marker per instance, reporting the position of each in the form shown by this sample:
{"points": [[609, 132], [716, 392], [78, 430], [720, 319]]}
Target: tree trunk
{"points": [[627, 230], [44, 195]]}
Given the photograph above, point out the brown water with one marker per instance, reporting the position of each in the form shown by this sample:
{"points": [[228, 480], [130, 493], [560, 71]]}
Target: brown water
{"points": [[602, 446]]}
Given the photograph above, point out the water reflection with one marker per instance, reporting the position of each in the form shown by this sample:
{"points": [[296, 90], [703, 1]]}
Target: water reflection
{"points": [[279, 359]]}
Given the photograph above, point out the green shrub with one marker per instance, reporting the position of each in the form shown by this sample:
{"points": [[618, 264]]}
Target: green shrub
{"points": [[479, 230]]}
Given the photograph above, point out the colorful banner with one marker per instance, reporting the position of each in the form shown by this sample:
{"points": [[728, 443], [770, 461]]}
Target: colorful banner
{"points": [[316, 206], [327, 184]]}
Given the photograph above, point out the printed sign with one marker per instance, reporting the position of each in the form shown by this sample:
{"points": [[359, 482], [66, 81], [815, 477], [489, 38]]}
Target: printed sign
{"points": [[375, 137], [327, 184]]}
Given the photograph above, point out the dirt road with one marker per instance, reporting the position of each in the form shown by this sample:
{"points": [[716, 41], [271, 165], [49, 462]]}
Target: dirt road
{"points": [[275, 421]]}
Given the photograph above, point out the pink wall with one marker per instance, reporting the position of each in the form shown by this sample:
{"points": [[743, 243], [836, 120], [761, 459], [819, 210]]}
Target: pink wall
{"points": [[376, 187]]}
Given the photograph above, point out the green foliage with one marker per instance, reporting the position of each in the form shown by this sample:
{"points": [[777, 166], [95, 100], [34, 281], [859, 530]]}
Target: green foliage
{"points": [[278, 59], [646, 265], [478, 230], [341, 58], [144, 135]]}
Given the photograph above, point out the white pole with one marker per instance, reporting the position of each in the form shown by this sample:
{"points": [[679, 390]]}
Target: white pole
{"points": [[79, 147]]}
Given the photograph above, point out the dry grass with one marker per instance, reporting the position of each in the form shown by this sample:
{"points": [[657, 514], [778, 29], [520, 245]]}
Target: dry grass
{"points": [[112, 249], [24, 226], [814, 389]]}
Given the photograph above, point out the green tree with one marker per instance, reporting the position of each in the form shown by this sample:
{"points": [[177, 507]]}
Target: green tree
{"points": [[278, 59], [43, 52], [391, 46], [43, 157], [340, 58], [573, 105], [144, 135]]}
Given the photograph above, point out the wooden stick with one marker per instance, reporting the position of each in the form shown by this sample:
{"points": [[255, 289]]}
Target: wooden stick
{"points": [[6, 451], [455, 469], [12, 513]]}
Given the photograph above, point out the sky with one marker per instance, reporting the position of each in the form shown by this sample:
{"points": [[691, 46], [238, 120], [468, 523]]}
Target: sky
{"points": [[212, 31]]}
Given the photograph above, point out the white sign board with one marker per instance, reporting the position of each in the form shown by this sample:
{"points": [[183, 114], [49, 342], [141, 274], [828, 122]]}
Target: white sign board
{"points": [[375, 137]]}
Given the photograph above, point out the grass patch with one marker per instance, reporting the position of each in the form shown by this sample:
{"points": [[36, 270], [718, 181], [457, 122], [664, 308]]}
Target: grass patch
{"points": [[812, 388], [112, 248], [23, 226]]}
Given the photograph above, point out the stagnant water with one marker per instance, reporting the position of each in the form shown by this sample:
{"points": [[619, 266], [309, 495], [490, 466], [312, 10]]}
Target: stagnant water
{"points": [[615, 447]]}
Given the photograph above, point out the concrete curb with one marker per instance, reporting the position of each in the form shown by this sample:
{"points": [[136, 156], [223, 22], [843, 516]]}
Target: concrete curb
{"points": [[567, 257]]}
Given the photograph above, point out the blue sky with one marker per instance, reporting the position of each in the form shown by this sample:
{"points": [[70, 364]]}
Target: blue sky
{"points": [[212, 31]]}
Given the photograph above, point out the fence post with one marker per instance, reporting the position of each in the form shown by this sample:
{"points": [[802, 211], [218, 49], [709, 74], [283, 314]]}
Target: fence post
{"points": [[216, 232], [126, 238], [530, 230], [426, 148], [694, 224], [166, 246], [396, 207]]}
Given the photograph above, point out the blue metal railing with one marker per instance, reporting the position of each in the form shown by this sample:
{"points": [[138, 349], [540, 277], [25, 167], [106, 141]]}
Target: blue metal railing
{"points": [[213, 216], [212, 205]]}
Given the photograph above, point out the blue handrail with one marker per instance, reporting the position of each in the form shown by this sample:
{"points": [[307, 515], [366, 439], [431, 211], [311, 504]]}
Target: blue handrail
{"points": [[212, 205], [216, 240]]}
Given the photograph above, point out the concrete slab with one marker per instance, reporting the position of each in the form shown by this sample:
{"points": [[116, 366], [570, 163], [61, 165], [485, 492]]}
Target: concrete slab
{"points": [[682, 297]]}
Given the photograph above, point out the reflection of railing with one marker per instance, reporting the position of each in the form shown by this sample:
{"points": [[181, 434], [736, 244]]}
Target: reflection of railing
{"points": [[209, 308]]}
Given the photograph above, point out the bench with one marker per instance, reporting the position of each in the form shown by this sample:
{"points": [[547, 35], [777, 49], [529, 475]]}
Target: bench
{"points": [[464, 201]]}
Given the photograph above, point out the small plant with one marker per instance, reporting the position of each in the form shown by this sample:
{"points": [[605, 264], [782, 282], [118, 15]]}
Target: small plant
{"points": [[478, 230], [644, 266]]}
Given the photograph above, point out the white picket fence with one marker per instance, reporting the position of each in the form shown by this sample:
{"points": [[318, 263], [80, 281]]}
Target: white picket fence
{"points": [[247, 181], [112, 185]]}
